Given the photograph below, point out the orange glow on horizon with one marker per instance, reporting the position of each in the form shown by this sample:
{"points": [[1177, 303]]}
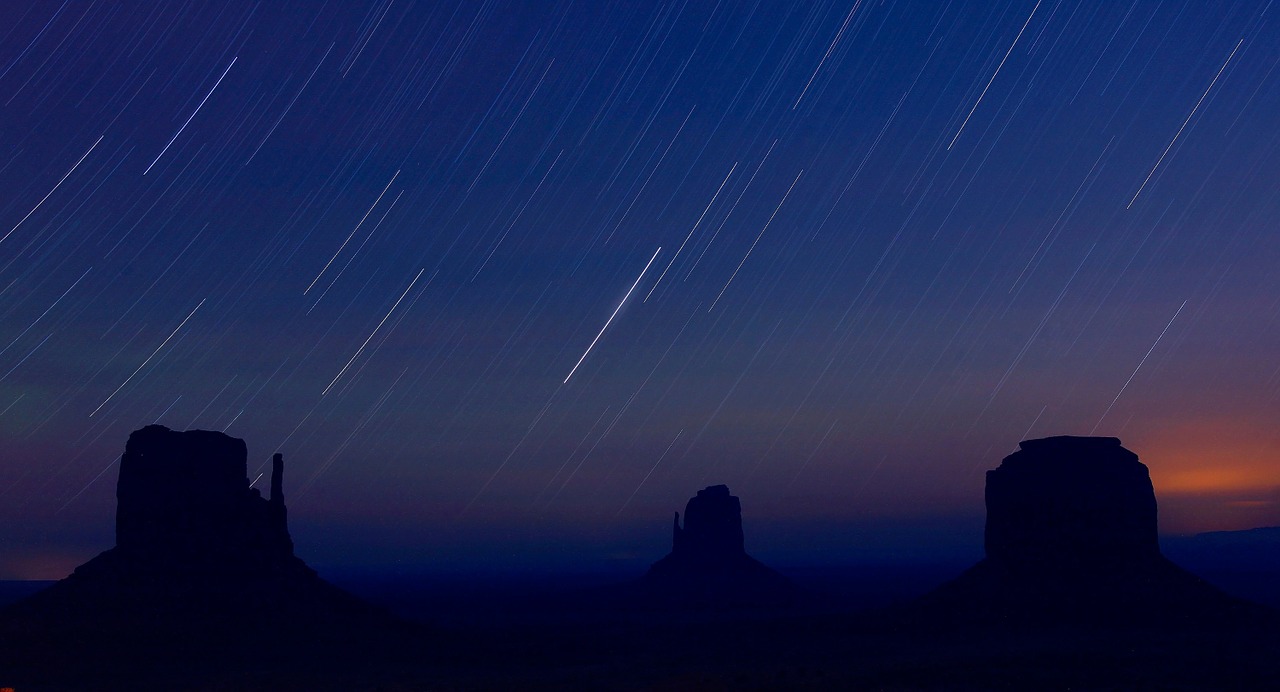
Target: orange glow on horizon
{"points": [[1213, 480], [1214, 474]]}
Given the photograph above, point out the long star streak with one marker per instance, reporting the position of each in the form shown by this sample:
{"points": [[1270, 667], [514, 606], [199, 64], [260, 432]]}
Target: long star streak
{"points": [[55, 187], [754, 242], [148, 360], [352, 233], [646, 476], [615, 314], [193, 114], [1135, 370], [691, 230], [1184, 124], [373, 333], [993, 76]]}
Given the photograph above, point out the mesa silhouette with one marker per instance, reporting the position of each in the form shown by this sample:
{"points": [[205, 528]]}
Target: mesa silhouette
{"points": [[708, 566], [200, 557], [1071, 539]]}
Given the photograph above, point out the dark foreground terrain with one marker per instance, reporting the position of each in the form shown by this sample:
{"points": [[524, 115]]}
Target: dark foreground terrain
{"points": [[573, 633]]}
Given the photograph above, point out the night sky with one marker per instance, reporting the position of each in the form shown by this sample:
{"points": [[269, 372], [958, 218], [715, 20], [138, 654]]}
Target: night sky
{"points": [[841, 256]]}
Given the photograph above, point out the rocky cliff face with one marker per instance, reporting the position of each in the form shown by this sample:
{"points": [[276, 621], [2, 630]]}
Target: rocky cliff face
{"points": [[185, 497], [1071, 536], [1062, 502]]}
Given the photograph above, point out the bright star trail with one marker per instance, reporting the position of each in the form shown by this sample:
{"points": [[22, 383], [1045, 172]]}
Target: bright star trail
{"points": [[894, 239], [372, 334], [56, 185], [188, 120], [1184, 125], [1137, 368], [993, 76], [159, 348], [611, 316]]}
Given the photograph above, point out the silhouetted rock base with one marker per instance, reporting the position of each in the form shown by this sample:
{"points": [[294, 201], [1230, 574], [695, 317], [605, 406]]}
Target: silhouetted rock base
{"points": [[671, 650], [708, 567], [1152, 592], [113, 626], [203, 576], [1071, 540], [123, 595], [740, 582]]}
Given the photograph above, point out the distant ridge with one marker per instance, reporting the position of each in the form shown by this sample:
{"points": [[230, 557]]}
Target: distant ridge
{"points": [[1246, 549], [1261, 534], [1243, 563]]}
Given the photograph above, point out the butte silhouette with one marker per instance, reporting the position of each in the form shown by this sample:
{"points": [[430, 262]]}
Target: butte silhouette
{"points": [[200, 558], [708, 566], [1071, 539]]}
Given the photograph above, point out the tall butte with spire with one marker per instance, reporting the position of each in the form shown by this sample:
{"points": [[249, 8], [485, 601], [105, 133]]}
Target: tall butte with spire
{"points": [[199, 554]]}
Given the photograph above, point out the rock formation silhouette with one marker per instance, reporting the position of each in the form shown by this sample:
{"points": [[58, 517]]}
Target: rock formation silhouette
{"points": [[708, 566], [199, 555], [1071, 537], [183, 497]]}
